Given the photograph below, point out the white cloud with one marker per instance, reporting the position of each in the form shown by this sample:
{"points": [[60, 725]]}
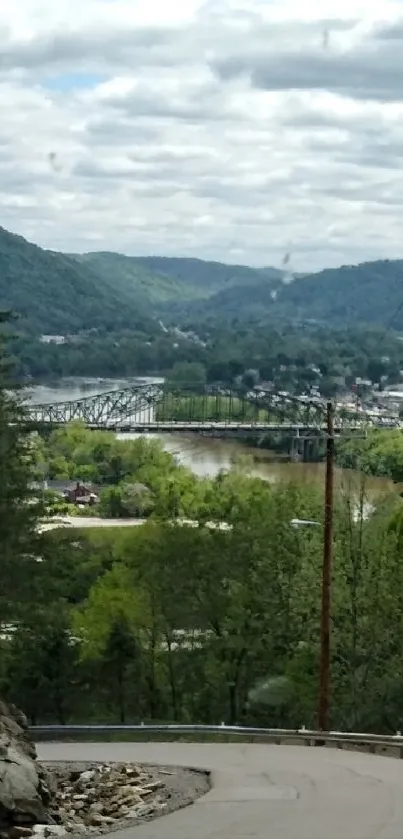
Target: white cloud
{"points": [[223, 129]]}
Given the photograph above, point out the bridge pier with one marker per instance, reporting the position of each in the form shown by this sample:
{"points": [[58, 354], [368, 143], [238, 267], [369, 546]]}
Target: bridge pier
{"points": [[297, 449], [305, 449]]}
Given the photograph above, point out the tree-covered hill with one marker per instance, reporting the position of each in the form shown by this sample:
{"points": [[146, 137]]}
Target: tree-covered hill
{"points": [[369, 293], [205, 278], [53, 293], [59, 293], [131, 277], [65, 294], [167, 282]]}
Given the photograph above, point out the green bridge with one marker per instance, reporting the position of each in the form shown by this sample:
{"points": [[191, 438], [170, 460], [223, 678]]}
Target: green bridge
{"points": [[213, 411]]}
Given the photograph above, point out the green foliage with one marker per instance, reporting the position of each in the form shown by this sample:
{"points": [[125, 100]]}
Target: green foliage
{"points": [[380, 453], [208, 408], [128, 500], [43, 663], [292, 357], [185, 374], [183, 278], [135, 278], [218, 619], [55, 294], [20, 508], [367, 293], [136, 477]]}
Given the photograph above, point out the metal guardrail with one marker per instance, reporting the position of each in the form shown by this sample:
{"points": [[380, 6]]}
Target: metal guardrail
{"points": [[340, 739]]}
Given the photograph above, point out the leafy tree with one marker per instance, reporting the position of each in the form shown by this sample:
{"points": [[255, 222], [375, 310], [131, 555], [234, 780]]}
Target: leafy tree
{"points": [[43, 662], [20, 509], [121, 652], [187, 374]]}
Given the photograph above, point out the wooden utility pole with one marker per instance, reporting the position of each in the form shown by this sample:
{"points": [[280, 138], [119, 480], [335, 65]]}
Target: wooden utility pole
{"points": [[324, 664]]}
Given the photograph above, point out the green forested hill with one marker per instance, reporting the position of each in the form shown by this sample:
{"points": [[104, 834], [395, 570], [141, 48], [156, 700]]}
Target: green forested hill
{"points": [[371, 292], [368, 293], [53, 293], [158, 279], [206, 278], [128, 275]]}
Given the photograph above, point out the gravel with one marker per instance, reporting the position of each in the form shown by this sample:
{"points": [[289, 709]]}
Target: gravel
{"points": [[181, 787]]}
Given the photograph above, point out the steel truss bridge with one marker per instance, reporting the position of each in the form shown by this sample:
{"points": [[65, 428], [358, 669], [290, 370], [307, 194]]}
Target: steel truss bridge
{"points": [[216, 412]]}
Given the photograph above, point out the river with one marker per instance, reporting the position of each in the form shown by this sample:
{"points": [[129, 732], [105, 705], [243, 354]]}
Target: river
{"points": [[206, 456]]}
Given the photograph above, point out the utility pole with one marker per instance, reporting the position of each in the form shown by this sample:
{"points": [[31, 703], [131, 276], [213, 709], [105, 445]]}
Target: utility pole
{"points": [[324, 665]]}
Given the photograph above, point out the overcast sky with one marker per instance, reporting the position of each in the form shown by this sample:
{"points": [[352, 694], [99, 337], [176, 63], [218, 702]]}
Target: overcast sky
{"points": [[237, 130]]}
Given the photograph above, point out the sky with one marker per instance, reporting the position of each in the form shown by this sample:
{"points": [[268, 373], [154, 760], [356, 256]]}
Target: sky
{"points": [[236, 130]]}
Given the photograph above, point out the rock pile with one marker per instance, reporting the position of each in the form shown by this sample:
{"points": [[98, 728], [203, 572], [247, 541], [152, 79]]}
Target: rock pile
{"points": [[66, 800], [26, 789], [97, 798]]}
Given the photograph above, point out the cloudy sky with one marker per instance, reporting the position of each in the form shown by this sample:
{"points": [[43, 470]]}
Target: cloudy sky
{"points": [[237, 130]]}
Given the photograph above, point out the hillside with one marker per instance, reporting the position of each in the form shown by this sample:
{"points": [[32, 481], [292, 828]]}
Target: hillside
{"points": [[159, 279], [53, 293], [204, 277], [371, 292], [367, 293], [67, 293], [59, 293], [128, 275]]}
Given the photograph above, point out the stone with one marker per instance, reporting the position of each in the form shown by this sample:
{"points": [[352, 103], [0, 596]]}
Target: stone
{"points": [[125, 790], [97, 807], [56, 830], [139, 812], [20, 832], [152, 786], [96, 819], [87, 776], [132, 770], [26, 789], [92, 800]]}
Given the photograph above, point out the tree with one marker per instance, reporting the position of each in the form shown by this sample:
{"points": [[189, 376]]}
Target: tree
{"points": [[43, 664], [187, 375], [20, 508], [107, 625], [120, 653]]}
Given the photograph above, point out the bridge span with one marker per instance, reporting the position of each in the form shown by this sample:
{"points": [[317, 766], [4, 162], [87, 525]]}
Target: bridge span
{"points": [[153, 408]]}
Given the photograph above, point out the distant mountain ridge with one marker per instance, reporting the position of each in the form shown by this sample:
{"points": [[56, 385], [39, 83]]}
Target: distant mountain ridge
{"points": [[64, 293], [370, 293], [172, 278]]}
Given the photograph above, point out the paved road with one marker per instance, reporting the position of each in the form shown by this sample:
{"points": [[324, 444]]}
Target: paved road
{"points": [[89, 521], [267, 792], [94, 521]]}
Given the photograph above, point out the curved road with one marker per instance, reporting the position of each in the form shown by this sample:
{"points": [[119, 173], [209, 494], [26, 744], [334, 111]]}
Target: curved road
{"points": [[266, 792]]}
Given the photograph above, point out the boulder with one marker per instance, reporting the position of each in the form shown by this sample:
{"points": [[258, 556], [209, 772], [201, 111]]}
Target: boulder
{"points": [[26, 791]]}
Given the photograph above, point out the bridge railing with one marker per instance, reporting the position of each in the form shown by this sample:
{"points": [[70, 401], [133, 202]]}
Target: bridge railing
{"points": [[374, 743]]}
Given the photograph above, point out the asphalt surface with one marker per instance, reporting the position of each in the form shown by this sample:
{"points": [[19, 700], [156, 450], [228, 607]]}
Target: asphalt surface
{"points": [[89, 521], [266, 792], [95, 521]]}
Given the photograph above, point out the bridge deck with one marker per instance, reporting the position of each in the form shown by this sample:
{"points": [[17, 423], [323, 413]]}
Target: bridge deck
{"points": [[264, 427]]}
